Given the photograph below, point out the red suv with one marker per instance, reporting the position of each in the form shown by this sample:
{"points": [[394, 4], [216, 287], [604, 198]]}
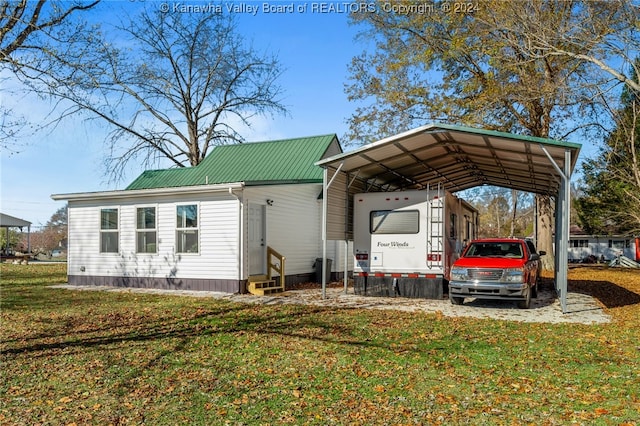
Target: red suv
{"points": [[497, 268]]}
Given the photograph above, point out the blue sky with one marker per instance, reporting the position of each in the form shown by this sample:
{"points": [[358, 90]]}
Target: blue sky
{"points": [[314, 48]]}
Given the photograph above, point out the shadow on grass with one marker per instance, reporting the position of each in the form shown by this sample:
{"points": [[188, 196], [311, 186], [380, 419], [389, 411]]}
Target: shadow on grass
{"points": [[609, 294], [226, 318]]}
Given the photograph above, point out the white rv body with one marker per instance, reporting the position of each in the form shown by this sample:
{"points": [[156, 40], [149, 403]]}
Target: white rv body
{"points": [[405, 242]]}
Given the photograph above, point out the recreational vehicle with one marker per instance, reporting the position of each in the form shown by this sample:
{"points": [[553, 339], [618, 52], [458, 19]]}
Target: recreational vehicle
{"points": [[405, 242]]}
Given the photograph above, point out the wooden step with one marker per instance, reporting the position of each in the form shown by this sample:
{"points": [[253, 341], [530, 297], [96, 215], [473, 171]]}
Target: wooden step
{"points": [[260, 287], [265, 291], [263, 284], [255, 278]]}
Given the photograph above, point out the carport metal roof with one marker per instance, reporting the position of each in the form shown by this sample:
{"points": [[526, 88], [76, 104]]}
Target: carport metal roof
{"points": [[7, 221], [459, 158], [456, 158]]}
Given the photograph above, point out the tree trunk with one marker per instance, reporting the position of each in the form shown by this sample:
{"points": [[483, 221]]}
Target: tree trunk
{"points": [[544, 237]]}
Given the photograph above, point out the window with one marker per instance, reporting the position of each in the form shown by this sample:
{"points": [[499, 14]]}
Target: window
{"points": [[501, 249], [146, 235], [109, 231], [453, 232], [187, 229], [394, 222]]}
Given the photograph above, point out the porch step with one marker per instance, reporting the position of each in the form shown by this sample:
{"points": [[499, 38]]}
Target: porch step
{"points": [[261, 286]]}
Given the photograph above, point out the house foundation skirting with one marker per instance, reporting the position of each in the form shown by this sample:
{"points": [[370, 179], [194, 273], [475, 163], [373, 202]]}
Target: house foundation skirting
{"points": [[221, 285], [193, 284]]}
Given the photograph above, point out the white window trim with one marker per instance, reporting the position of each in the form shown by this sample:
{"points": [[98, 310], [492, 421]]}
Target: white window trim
{"points": [[155, 229], [101, 231], [197, 228]]}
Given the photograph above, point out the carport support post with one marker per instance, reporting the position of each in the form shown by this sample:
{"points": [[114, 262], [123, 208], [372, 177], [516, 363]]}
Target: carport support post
{"points": [[562, 242], [325, 204], [325, 208], [563, 206]]}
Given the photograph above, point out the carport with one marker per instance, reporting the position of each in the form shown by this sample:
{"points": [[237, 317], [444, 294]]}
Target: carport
{"points": [[7, 222], [455, 158]]}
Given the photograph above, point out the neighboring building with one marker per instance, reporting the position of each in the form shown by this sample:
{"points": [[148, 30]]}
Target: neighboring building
{"points": [[583, 247], [7, 222], [206, 227]]}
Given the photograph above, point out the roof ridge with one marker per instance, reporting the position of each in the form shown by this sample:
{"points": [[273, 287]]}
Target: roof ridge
{"points": [[280, 140]]}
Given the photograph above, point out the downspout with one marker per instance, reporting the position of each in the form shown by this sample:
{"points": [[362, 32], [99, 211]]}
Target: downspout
{"points": [[240, 245]]}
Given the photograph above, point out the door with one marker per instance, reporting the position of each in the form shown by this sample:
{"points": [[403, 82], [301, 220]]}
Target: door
{"points": [[257, 237]]}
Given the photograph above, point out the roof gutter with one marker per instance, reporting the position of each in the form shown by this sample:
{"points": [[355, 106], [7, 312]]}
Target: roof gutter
{"points": [[142, 193]]}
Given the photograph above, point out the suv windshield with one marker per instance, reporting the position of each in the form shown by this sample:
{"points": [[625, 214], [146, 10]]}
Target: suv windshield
{"points": [[497, 249]]}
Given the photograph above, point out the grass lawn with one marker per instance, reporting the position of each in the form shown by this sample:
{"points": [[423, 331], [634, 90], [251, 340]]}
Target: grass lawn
{"points": [[79, 357]]}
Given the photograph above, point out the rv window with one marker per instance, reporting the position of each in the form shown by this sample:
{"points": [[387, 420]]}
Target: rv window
{"points": [[394, 222]]}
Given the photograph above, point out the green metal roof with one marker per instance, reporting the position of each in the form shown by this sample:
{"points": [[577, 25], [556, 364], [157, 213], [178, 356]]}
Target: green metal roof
{"points": [[256, 163]]}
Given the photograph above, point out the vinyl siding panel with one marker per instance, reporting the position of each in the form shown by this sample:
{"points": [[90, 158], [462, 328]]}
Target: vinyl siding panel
{"points": [[293, 225], [218, 240]]}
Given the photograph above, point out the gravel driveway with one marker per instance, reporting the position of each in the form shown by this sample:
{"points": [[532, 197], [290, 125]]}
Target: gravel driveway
{"points": [[545, 308]]}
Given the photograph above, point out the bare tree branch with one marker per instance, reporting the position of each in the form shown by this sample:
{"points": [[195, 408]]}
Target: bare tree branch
{"points": [[185, 82]]}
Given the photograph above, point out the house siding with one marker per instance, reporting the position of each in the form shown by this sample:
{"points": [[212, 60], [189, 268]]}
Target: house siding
{"points": [[294, 228], [609, 247], [293, 225], [213, 267]]}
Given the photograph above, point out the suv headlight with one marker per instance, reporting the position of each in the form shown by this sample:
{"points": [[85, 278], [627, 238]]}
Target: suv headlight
{"points": [[459, 274], [513, 275]]}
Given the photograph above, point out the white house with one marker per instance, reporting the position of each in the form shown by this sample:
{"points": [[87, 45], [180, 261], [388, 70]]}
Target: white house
{"points": [[599, 247], [207, 227]]}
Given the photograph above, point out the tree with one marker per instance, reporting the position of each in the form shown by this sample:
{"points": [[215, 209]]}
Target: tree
{"points": [[31, 33], [610, 38], [31, 27], [479, 68], [499, 213], [181, 84], [610, 199], [15, 237], [51, 236]]}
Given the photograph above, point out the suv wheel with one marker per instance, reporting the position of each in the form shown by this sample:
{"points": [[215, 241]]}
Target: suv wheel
{"points": [[456, 300], [534, 291], [526, 303]]}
